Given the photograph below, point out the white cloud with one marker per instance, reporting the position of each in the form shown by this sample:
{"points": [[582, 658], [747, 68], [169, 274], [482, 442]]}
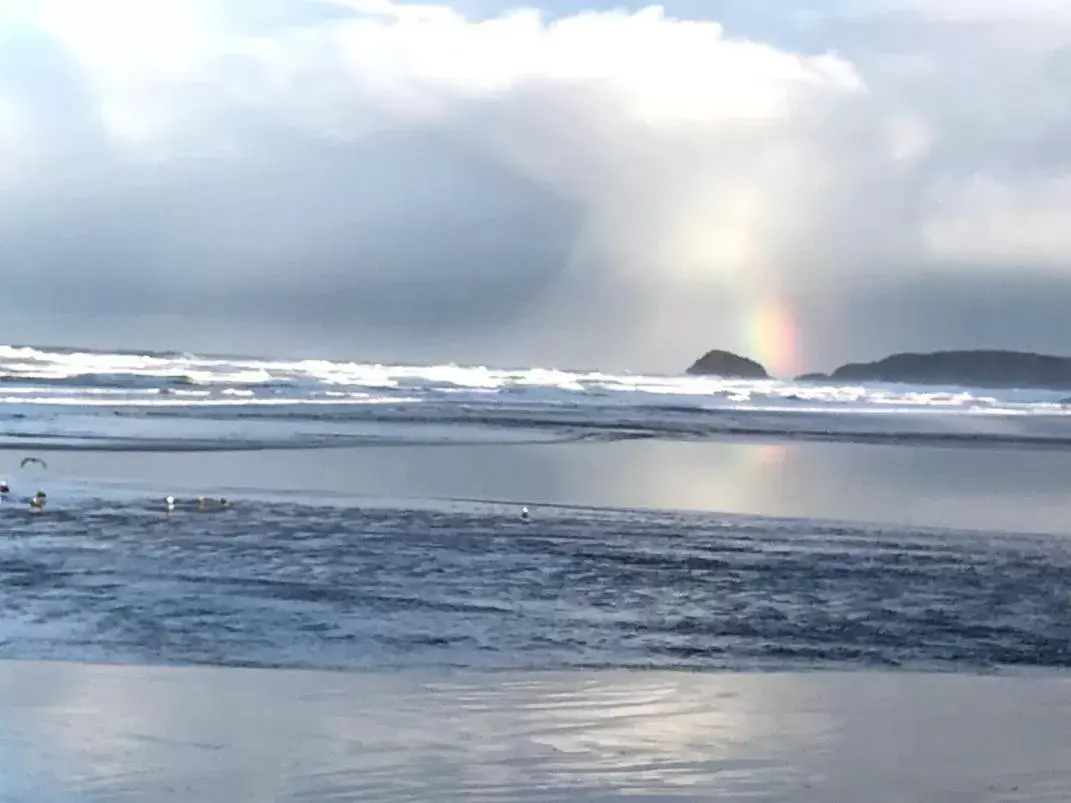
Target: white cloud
{"points": [[422, 61], [988, 223]]}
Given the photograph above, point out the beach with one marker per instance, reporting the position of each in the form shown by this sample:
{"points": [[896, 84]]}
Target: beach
{"points": [[130, 733], [714, 596]]}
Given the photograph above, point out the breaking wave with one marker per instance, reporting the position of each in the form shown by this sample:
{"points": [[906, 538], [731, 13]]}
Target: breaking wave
{"points": [[61, 397]]}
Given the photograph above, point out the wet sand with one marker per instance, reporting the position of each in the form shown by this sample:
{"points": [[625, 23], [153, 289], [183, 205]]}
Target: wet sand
{"points": [[992, 489], [75, 732]]}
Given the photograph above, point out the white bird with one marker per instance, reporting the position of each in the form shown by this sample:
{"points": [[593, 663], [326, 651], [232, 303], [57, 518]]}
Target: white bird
{"points": [[524, 513], [169, 504]]}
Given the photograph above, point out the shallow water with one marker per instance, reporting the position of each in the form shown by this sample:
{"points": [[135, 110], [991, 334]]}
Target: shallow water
{"points": [[332, 585]]}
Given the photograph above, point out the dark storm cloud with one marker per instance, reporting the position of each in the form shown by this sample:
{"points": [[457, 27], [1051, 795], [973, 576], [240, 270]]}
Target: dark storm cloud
{"points": [[949, 309], [615, 189], [412, 235]]}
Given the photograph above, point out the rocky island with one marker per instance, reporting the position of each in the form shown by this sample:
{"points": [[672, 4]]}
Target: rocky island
{"points": [[728, 365], [977, 368]]}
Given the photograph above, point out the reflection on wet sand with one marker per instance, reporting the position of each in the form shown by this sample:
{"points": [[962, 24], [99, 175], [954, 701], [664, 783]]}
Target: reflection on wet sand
{"points": [[984, 488], [78, 733]]}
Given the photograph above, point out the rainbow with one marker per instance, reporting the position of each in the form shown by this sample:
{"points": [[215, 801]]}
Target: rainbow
{"points": [[771, 336]]}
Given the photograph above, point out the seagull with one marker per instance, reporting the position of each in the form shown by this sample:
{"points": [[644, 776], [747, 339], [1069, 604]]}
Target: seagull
{"points": [[27, 460], [524, 513], [169, 504], [38, 502]]}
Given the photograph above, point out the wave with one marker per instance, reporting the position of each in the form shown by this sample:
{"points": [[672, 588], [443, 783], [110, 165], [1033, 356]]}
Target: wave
{"points": [[29, 368], [63, 393]]}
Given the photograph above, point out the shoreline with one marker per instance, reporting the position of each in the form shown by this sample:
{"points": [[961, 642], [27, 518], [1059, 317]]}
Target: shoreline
{"points": [[490, 672]]}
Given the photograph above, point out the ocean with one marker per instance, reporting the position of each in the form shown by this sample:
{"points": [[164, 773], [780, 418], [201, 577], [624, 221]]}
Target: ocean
{"points": [[676, 522]]}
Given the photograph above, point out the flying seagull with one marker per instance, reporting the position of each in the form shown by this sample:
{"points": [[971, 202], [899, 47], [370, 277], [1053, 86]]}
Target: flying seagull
{"points": [[26, 460]]}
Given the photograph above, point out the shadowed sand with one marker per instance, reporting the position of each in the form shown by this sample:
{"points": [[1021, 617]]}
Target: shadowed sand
{"points": [[75, 732]]}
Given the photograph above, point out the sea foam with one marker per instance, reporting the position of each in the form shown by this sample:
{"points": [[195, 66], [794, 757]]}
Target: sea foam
{"points": [[50, 393]]}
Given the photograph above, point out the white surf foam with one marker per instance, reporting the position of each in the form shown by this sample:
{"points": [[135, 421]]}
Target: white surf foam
{"points": [[58, 377], [56, 394]]}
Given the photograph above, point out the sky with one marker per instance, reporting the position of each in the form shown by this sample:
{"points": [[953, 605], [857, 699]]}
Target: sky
{"points": [[568, 183]]}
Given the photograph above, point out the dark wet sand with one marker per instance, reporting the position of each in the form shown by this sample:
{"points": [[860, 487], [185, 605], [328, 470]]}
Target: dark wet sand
{"points": [[111, 733], [985, 488]]}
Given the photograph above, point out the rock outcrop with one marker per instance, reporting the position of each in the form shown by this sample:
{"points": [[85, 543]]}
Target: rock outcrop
{"points": [[728, 365], [978, 368]]}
